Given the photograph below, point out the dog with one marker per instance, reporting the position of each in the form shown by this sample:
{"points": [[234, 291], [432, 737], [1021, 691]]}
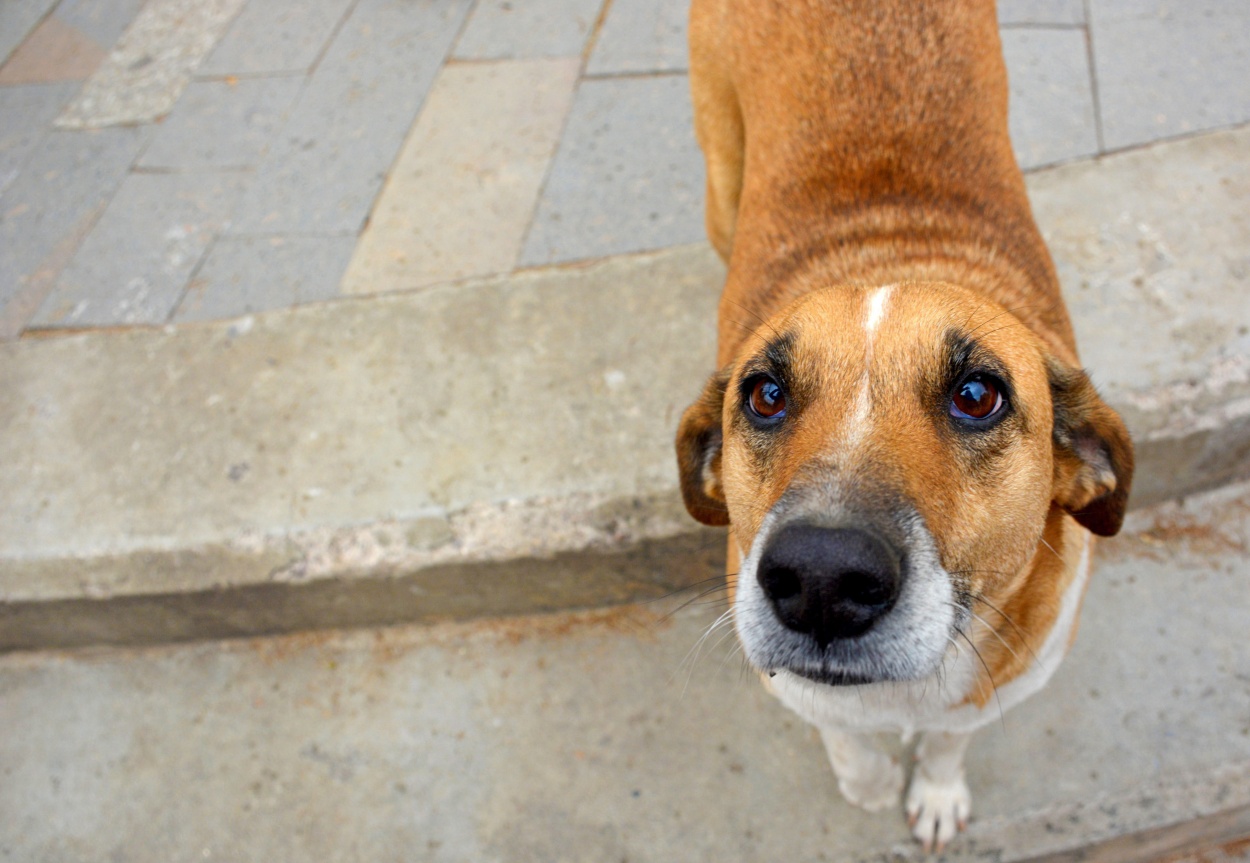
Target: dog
{"points": [[900, 437]]}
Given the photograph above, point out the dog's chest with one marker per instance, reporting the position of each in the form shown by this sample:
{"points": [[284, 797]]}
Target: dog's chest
{"points": [[939, 702]]}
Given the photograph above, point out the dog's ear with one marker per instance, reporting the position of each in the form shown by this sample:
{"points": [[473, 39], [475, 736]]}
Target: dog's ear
{"points": [[699, 439], [1093, 453]]}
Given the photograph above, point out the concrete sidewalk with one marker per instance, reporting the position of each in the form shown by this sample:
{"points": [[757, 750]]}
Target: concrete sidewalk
{"points": [[617, 735]]}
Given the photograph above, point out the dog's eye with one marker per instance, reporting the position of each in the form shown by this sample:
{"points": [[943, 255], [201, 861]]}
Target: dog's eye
{"points": [[767, 400], [978, 397]]}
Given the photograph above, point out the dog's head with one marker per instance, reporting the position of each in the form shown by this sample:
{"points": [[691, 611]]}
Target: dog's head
{"points": [[886, 456]]}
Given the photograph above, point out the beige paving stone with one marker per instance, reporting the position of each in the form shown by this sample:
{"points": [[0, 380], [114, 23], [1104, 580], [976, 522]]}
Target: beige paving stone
{"points": [[146, 72], [467, 180], [55, 51]]}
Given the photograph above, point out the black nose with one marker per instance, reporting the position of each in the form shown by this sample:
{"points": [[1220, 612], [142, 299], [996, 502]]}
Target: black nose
{"points": [[828, 582]]}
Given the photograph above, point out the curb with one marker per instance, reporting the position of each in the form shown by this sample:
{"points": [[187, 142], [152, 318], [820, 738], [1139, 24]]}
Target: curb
{"points": [[171, 484]]}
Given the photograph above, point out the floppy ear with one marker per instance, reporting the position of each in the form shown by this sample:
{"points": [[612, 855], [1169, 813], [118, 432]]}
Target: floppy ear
{"points": [[1093, 453], [699, 438]]}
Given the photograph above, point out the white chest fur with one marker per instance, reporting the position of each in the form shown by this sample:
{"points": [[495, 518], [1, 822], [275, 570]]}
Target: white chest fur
{"points": [[936, 703]]}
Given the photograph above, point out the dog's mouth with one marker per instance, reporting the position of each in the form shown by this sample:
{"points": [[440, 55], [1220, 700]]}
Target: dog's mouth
{"points": [[829, 676]]}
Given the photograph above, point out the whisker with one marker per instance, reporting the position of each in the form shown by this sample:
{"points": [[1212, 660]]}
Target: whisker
{"points": [[1055, 553], [993, 686], [708, 591], [757, 316], [1025, 639], [996, 634], [692, 655]]}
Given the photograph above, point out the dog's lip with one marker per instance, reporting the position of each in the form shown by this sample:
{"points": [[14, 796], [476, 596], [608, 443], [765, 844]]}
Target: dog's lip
{"points": [[829, 676]]}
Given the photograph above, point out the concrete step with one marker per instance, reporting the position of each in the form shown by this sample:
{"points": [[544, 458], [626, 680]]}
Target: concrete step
{"points": [[622, 735], [504, 446]]}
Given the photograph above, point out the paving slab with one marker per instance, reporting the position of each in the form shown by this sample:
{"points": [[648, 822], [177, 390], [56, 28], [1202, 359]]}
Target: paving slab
{"points": [[50, 206], [1048, 12], [54, 51], [222, 124], [632, 140], [25, 114], [242, 275], [510, 30], [134, 265], [148, 69], [102, 20], [642, 36], [359, 462], [270, 38], [324, 172], [465, 185], [17, 19], [1051, 95], [1198, 76], [612, 735]]}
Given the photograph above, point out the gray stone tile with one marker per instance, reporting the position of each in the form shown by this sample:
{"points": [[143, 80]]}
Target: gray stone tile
{"points": [[1052, 100], [134, 264], [1168, 67], [219, 124], [462, 192], [514, 29], [1041, 12], [242, 275], [103, 20], [17, 19], [272, 37], [151, 64], [26, 114], [628, 176], [45, 212], [53, 52], [323, 173], [642, 36]]}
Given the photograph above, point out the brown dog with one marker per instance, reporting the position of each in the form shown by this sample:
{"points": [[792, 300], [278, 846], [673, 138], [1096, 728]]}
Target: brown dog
{"points": [[900, 437]]}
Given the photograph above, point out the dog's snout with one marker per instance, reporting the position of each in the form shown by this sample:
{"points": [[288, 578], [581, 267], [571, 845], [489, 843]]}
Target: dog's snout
{"points": [[829, 582]]}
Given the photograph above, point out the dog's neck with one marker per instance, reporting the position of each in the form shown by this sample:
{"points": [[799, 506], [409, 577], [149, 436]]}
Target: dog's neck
{"points": [[1014, 618]]}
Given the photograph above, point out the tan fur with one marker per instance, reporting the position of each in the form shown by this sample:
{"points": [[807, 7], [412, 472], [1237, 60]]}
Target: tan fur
{"points": [[851, 145]]}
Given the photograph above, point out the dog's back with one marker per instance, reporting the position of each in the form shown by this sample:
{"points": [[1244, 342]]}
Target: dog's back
{"points": [[864, 142]]}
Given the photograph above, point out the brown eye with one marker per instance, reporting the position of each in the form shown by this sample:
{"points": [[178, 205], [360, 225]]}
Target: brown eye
{"points": [[979, 397], [767, 400]]}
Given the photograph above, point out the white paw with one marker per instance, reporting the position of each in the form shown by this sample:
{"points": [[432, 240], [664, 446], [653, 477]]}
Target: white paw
{"points": [[876, 785], [937, 811]]}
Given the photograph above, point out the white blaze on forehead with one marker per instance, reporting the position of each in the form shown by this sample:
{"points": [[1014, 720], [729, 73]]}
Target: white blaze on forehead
{"points": [[876, 311], [860, 421]]}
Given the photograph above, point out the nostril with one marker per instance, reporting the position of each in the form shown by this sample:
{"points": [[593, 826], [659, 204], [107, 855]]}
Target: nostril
{"points": [[781, 582], [865, 588]]}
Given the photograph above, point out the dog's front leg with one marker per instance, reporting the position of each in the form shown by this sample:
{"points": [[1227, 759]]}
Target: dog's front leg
{"points": [[866, 777], [938, 803]]}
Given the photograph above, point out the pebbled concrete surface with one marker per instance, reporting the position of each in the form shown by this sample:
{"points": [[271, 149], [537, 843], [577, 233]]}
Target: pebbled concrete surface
{"points": [[613, 735]]}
